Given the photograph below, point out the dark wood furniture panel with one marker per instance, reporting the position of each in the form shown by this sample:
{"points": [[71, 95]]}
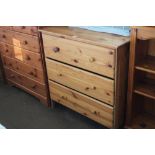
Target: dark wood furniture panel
{"points": [[141, 83]]}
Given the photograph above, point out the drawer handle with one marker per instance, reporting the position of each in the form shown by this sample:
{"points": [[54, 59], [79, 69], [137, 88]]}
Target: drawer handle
{"points": [[56, 49], [4, 36], [6, 50], [92, 59], [31, 73], [109, 65], [25, 42], [111, 53], [28, 57], [23, 27]]}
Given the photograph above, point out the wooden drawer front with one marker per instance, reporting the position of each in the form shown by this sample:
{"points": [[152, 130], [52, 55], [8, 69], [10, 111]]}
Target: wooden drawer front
{"points": [[24, 69], [26, 82], [22, 55], [32, 30], [89, 57], [87, 106], [146, 34], [21, 40], [88, 83]]}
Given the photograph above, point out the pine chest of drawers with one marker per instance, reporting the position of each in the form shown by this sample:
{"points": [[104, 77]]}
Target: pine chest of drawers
{"points": [[87, 72], [23, 60]]}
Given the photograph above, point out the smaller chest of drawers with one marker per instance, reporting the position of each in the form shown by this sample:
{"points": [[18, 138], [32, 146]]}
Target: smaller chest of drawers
{"points": [[23, 60], [87, 72]]}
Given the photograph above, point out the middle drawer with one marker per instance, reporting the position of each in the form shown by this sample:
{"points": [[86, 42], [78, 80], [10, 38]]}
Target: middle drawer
{"points": [[88, 83], [26, 70]]}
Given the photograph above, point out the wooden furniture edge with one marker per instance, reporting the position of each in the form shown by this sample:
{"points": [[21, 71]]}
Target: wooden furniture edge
{"points": [[60, 35], [121, 77]]}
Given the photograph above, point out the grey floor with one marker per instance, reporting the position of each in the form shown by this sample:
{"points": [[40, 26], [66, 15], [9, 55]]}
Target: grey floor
{"points": [[19, 110]]}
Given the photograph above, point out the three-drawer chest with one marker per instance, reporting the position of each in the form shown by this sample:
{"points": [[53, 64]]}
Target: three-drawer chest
{"points": [[23, 60], [87, 72]]}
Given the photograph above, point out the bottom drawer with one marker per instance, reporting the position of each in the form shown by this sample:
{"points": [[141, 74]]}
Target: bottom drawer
{"points": [[83, 104], [26, 82]]}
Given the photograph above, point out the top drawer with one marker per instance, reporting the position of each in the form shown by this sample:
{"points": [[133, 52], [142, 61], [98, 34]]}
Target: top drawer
{"points": [[21, 40], [93, 58], [32, 30]]}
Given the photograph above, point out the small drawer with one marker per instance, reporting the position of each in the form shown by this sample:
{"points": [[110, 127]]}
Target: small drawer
{"points": [[28, 57], [21, 40], [32, 30], [25, 81], [87, 106], [88, 83], [24, 69], [145, 34], [90, 57]]}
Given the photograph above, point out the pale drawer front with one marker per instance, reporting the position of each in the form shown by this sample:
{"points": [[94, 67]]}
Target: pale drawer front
{"points": [[24, 69], [87, 106], [88, 83], [28, 57], [93, 58], [26, 82], [32, 30], [21, 40]]}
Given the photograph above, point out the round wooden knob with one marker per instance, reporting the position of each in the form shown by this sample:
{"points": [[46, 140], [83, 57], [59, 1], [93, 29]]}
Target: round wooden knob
{"points": [[6, 50], [28, 58], [25, 42], [31, 73], [56, 49], [111, 52], [3, 36]]}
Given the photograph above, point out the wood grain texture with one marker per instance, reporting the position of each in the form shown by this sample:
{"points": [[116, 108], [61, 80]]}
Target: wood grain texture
{"points": [[141, 80], [25, 81], [93, 85], [20, 54], [20, 40], [24, 69], [148, 65], [87, 106], [121, 79], [96, 38], [146, 90], [32, 30], [43, 99], [73, 57], [93, 58], [145, 33], [131, 77]]}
